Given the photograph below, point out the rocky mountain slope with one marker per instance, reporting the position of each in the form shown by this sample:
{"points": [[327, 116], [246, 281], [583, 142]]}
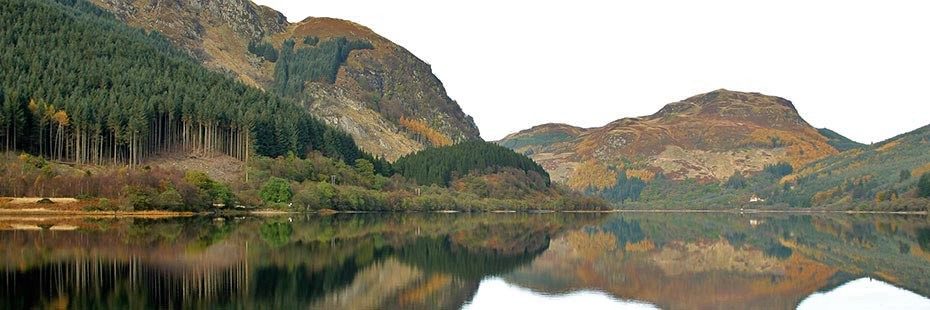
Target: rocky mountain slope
{"points": [[387, 98], [707, 137]]}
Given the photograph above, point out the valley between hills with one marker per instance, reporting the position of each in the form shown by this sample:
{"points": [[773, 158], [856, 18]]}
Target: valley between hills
{"points": [[198, 105]]}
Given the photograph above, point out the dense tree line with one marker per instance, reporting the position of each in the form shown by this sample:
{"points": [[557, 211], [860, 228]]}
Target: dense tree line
{"points": [[78, 85], [311, 40], [440, 165], [318, 62], [778, 170], [264, 50], [625, 189]]}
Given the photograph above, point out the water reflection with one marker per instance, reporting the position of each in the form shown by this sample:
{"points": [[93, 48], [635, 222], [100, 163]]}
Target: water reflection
{"points": [[446, 261], [495, 293], [866, 293]]}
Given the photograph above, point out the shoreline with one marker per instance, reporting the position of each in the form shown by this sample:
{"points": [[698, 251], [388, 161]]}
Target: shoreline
{"points": [[34, 212], [268, 212]]}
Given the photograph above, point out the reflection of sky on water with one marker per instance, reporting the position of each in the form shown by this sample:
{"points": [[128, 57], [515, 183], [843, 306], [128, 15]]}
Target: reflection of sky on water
{"points": [[495, 293], [865, 293]]}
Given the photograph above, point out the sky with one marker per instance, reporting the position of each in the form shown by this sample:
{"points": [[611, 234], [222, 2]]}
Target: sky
{"points": [[861, 68]]}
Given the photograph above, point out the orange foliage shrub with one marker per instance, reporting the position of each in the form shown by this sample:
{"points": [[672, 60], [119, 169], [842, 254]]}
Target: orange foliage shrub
{"points": [[644, 245], [820, 197], [590, 174], [642, 174], [919, 171], [801, 148], [888, 146], [419, 127]]}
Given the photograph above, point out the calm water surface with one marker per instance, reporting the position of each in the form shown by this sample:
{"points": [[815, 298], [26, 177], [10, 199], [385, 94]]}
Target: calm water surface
{"points": [[478, 261]]}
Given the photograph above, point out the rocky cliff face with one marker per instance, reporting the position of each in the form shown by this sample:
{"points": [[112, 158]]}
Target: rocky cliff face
{"points": [[374, 89], [706, 137], [388, 82]]}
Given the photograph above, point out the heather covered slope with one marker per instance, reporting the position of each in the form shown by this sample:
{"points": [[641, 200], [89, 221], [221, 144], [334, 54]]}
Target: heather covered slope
{"points": [[384, 96], [707, 137]]}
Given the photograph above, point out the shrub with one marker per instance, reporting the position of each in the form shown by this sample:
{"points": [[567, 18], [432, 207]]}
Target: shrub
{"points": [[779, 170], [139, 198], [104, 204], [315, 195], [276, 190], [736, 181], [923, 185], [264, 50], [170, 199], [311, 40], [213, 191]]}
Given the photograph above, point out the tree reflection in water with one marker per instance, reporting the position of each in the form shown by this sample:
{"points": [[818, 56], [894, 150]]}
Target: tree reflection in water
{"points": [[439, 260]]}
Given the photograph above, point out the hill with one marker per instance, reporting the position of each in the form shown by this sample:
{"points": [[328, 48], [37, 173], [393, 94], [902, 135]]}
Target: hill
{"points": [[706, 138], [440, 165], [885, 174], [380, 93]]}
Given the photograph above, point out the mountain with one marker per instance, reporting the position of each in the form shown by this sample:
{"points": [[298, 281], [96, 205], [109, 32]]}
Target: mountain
{"points": [[885, 173], [384, 96], [707, 137]]}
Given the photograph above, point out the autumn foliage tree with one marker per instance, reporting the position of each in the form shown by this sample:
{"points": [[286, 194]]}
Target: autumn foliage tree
{"points": [[424, 131]]}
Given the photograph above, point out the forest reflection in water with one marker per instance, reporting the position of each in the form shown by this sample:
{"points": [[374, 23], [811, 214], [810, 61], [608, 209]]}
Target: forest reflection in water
{"points": [[442, 261]]}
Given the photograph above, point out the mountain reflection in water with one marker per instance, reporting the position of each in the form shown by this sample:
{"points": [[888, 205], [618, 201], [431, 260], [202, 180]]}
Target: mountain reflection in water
{"points": [[447, 261]]}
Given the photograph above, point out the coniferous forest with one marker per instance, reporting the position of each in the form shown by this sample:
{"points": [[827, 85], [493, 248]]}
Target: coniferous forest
{"points": [[316, 61], [80, 86], [442, 164]]}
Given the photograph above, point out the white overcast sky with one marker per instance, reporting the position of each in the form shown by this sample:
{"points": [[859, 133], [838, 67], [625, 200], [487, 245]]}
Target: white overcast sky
{"points": [[861, 68]]}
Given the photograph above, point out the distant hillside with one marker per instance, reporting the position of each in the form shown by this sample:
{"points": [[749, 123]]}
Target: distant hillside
{"points": [[706, 138], [885, 173], [384, 96], [838, 141], [546, 134]]}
